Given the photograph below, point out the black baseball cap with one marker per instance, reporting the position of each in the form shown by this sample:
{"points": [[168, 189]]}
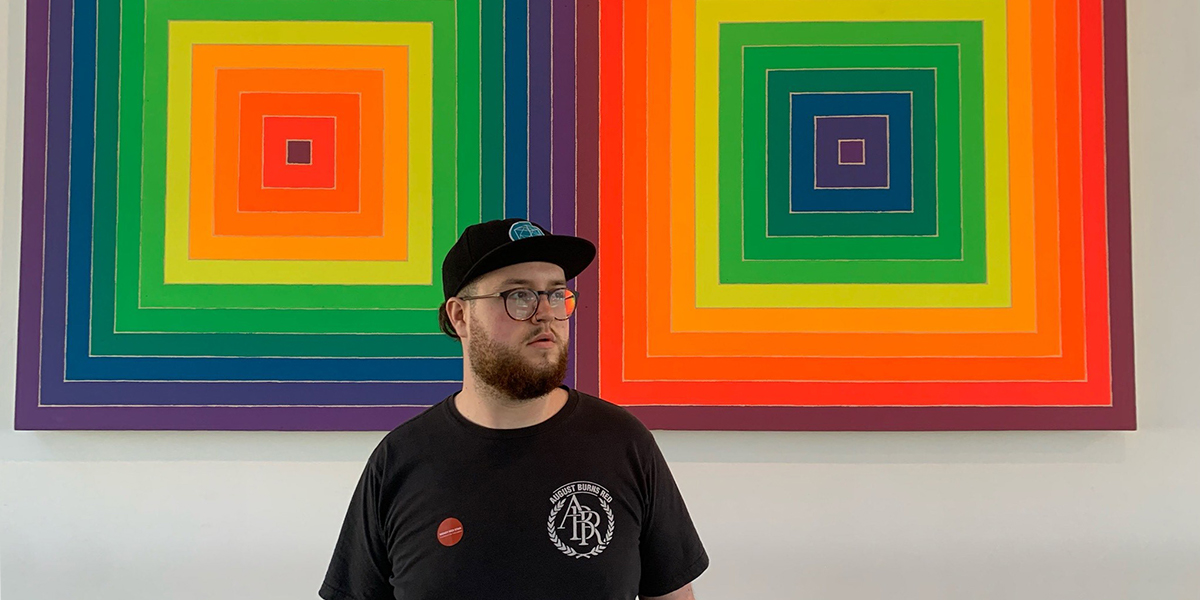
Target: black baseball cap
{"points": [[485, 247]]}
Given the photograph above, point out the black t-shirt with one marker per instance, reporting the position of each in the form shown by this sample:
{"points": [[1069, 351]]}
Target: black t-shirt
{"points": [[579, 506]]}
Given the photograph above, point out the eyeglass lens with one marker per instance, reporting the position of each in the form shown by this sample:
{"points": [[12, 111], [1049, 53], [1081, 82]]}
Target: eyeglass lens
{"points": [[522, 304]]}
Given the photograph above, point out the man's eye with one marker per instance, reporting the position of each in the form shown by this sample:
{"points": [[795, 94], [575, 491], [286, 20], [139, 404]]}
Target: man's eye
{"points": [[524, 296]]}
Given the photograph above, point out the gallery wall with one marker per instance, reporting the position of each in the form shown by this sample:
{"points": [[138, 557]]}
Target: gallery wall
{"points": [[191, 515]]}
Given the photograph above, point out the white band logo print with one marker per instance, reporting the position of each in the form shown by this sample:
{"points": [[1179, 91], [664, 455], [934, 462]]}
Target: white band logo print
{"points": [[581, 521]]}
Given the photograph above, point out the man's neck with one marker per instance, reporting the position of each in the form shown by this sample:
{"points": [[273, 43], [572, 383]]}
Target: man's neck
{"points": [[484, 405]]}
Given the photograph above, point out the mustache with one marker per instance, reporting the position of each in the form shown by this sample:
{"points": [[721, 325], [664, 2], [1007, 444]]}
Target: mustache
{"points": [[542, 332]]}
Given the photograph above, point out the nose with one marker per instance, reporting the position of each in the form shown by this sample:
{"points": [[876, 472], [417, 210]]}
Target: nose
{"points": [[543, 313]]}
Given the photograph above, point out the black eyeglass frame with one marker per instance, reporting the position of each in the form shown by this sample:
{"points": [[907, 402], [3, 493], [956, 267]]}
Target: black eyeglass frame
{"points": [[537, 294]]}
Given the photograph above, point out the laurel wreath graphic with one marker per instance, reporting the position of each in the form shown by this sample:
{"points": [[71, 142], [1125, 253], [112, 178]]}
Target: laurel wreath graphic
{"points": [[569, 551]]}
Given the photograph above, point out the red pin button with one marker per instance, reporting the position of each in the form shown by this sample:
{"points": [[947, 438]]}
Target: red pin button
{"points": [[450, 532]]}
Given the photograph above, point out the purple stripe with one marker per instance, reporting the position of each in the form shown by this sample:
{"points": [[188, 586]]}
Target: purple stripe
{"points": [[104, 394], [1121, 416], [1120, 268], [226, 419], [539, 111], [45, 214], [562, 141], [32, 216], [563, 123], [587, 182], [813, 418], [58, 158]]}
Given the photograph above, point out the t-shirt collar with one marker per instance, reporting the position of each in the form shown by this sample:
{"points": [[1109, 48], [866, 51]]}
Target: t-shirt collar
{"points": [[521, 432]]}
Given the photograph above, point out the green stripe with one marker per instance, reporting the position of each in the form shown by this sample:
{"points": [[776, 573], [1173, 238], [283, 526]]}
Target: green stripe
{"points": [[824, 36], [253, 343], [491, 81], [775, 216]]}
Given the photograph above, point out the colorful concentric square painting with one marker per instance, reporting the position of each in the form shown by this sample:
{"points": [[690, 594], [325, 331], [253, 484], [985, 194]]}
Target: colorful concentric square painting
{"points": [[811, 215]]}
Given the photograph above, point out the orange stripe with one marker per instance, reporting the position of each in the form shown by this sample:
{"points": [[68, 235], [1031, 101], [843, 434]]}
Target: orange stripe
{"points": [[253, 195], [706, 390], [298, 236], [767, 368], [1066, 44], [231, 180], [868, 320], [1020, 318], [392, 62], [609, 194], [240, 173], [1095, 194], [1092, 140]]}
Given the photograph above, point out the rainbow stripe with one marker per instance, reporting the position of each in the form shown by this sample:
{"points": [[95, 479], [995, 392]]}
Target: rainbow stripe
{"points": [[830, 214]]}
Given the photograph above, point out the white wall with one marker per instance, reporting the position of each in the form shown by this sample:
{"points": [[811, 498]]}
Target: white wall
{"points": [[1095, 516]]}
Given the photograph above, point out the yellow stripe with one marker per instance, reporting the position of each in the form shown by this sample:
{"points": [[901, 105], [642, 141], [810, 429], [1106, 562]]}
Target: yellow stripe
{"points": [[711, 294], [418, 270]]}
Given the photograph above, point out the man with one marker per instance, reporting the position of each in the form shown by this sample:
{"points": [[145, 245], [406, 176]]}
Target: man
{"points": [[516, 486]]}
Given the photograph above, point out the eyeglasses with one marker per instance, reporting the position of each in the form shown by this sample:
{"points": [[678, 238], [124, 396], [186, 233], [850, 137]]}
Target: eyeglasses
{"points": [[522, 303]]}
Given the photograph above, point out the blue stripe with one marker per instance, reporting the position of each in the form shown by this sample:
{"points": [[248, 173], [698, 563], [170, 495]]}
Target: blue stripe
{"points": [[516, 107], [80, 365]]}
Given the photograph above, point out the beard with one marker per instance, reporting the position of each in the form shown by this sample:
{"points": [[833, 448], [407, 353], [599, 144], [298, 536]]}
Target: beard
{"points": [[504, 369]]}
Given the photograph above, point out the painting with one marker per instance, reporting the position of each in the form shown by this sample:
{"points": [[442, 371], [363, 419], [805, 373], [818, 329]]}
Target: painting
{"points": [[815, 215]]}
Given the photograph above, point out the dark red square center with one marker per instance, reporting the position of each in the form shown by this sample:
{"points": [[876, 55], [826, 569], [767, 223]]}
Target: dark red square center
{"points": [[299, 152]]}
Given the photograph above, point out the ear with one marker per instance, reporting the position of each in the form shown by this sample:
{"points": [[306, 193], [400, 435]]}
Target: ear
{"points": [[456, 311]]}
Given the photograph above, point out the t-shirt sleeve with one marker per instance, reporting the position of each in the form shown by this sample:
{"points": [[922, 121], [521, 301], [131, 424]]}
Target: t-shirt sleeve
{"points": [[360, 565], [672, 554]]}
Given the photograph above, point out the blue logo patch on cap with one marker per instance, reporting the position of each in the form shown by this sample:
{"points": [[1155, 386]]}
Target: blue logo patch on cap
{"points": [[523, 229]]}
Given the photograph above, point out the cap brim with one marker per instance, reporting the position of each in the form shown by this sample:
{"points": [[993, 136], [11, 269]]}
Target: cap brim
{"points": [[573, 254]]}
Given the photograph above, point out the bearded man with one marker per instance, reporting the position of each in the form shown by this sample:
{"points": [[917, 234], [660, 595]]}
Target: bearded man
{"points": [[517, 486]]}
